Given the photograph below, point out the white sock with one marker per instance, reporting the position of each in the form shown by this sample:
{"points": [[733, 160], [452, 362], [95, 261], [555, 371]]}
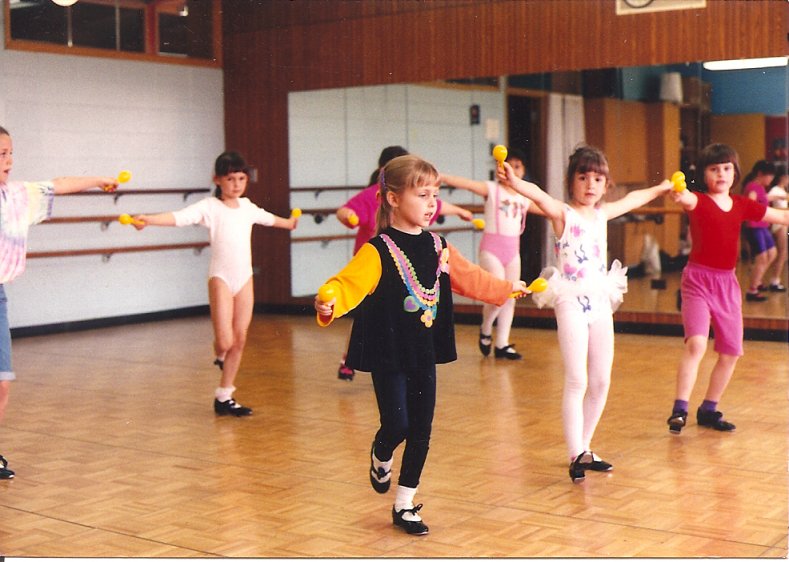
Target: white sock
{"points": [[405, 500], [224, 393], [386, 465]]}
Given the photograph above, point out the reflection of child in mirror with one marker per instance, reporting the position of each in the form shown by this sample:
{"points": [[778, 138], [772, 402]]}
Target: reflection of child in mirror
{"points": [[778, 198], [499, 249]]}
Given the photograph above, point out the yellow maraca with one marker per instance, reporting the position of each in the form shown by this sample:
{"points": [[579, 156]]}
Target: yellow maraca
{"points": [[479, 224], [536, 286], [295, 213], [128, 219], [678, 181], [326, 293], [353, 219], [500, 153], [123, 177]]}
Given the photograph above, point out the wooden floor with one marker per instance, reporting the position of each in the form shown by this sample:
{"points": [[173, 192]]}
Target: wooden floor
{"points": [[118, 453]]}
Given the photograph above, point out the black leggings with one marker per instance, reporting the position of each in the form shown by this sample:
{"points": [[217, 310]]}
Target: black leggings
{"points": [[406, 402]]}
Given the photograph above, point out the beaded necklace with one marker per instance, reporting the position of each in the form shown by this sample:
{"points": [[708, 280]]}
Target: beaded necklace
{"points": [[419, 297]]}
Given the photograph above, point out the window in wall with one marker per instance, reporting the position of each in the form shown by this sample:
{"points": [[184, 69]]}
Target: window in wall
{"points": [[185, 29], [170, 28]]}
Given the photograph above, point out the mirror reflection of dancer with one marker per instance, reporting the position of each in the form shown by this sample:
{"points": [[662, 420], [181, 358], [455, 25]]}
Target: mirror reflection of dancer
{"points": [[229, 217], [360, 212], [402, 281], [583, 292], [710, 291], [23, 204], [779, 198], [760, 239], [499, 248]]}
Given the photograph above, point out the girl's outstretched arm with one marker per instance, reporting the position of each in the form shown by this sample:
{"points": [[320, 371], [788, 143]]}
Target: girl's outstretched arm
{"points": [[553, 209], [160, 219], [470, 280], [635, 199], [344, 215], [73, 184], [474, 186], [288, 224], [350, 286], [686, 198], [450, 209], [777, 216]]}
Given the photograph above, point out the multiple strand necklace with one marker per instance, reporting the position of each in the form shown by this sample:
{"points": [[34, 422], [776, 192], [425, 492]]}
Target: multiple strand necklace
{"points": [[419, 297]]}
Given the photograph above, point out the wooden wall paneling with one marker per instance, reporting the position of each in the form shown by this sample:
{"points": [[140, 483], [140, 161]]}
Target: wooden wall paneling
{"points": [[662, 140], [439, 42], [745, 133], [619, 128], [663, 150], [630, 133], [256, 125]]}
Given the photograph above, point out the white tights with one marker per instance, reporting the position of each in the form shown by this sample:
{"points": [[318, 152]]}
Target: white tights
{"points": [[506, 312], [588, 354]]}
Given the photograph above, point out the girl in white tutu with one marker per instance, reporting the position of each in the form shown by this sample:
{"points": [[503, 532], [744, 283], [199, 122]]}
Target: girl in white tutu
{"points": [[583, 292]]}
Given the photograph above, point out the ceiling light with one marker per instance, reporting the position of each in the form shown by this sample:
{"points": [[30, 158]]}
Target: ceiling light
{"points": [[743, 64]]}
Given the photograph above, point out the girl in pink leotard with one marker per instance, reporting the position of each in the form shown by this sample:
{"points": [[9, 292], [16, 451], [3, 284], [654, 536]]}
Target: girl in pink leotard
{"points": [[499, 249]]}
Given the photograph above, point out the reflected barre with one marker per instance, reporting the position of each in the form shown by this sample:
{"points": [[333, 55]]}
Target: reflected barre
{"points": [[657, 211]]}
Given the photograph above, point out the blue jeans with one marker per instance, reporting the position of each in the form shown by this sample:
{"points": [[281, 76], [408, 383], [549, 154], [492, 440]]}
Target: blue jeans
{"points": [[406, 402], [6, 372]]}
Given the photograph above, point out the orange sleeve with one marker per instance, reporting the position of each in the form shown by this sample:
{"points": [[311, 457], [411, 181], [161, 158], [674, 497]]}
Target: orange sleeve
{"points": [[470, 280]]}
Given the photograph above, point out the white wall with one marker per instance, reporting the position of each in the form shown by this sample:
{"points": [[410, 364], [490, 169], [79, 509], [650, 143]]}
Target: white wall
{"points": [[73, 115], [335, 139]]}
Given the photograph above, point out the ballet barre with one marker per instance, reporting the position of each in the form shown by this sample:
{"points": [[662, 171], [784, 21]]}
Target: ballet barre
{"points": [[106, 253]]}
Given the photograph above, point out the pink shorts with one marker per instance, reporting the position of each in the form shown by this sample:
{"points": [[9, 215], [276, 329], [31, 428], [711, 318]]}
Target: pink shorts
{"points": [[713, 295]]}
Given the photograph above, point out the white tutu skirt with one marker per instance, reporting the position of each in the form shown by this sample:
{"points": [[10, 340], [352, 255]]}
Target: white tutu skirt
{"points": [[610, 286]]}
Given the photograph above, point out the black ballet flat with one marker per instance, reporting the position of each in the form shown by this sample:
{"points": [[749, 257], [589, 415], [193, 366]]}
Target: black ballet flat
{"points": [[410, 527]]}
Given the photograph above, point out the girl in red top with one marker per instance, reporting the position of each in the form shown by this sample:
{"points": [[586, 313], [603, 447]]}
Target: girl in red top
{"points": [[710, 291]]}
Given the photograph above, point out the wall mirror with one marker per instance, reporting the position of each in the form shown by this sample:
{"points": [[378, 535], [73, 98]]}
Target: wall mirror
{"points": [[650, 121]]}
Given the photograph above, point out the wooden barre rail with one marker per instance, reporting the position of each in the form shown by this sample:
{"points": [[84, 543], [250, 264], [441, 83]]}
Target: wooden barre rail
{"points": [[328, 239], [317, 190], [186, 192], [106, 253], [477, 209], [87, 218], [657, 211]]}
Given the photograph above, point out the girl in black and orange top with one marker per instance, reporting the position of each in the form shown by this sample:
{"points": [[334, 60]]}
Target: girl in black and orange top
{"points": [[401, 281]]}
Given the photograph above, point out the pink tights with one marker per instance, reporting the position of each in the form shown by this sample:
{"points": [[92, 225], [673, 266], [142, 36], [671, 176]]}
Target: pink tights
{"points": [[506, 312]]}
